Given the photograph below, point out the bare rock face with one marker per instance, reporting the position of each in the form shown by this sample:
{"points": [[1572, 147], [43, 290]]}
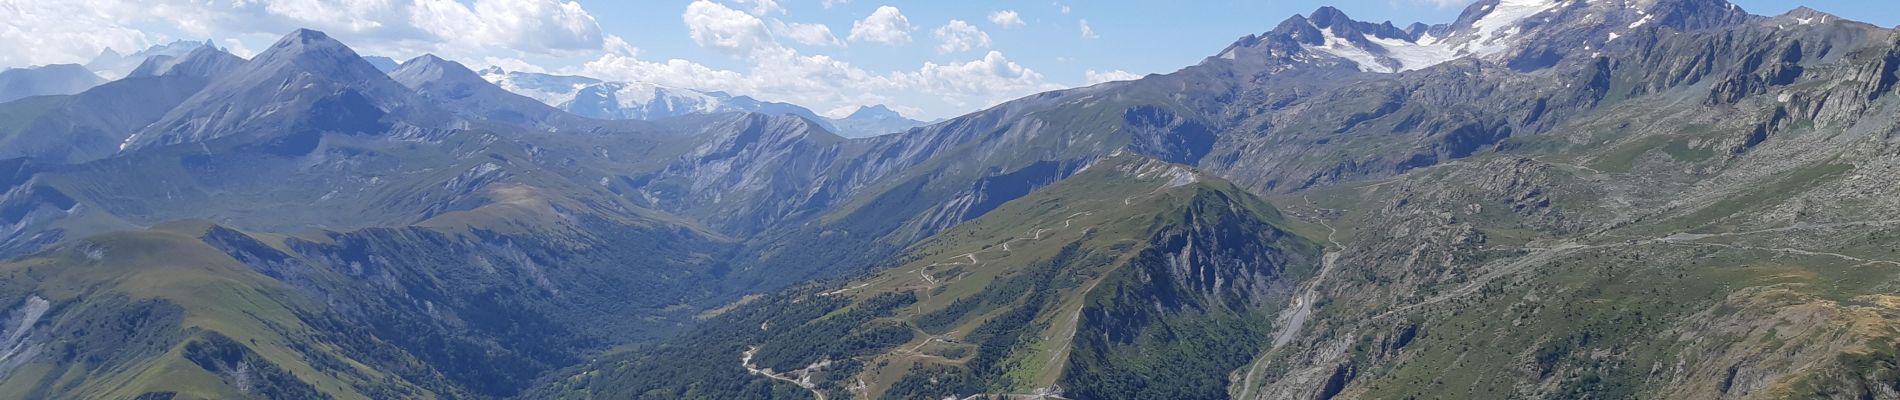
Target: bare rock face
{"points": [[24, 338], [749, 170]]}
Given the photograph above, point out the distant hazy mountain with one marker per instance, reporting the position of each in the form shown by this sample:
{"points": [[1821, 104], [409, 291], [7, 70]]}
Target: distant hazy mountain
{"points": [[303, 85], [16, 83], [595, 98], [96, 123], [463, 92], [204, 62], [112, 65], [872, 121]]}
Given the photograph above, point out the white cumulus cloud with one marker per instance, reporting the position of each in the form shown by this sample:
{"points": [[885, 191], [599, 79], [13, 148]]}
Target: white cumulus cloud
{"points": [[614, 44], [61, 32], [959, 36], [1087, 31], [763, 7], [808, 34], [535, 26], [1006, 19], [989, 80], [557, 36], [887, 25], [821, 82], [717, 27], [505, 63], [1094, 77], [42, 31]]}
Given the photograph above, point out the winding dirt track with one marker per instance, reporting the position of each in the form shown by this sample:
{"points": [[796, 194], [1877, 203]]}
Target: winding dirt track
{"points": [[745, 360]]}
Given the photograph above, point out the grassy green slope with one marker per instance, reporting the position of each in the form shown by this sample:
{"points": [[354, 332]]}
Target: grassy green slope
{"points": [[162, 312], [1659, 249], [474, 302], [995, 305]]}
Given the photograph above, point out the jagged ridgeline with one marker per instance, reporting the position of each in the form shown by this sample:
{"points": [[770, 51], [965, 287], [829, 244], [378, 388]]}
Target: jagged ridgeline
{"points": [[1540, 199], [1135, 277]]}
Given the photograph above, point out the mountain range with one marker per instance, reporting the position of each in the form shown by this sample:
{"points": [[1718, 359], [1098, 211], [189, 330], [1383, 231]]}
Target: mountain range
{"points": [[1541, 199], [583, 96], [594, 98], [113, 65]]}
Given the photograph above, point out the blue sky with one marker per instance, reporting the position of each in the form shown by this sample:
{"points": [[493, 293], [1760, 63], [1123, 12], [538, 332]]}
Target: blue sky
{"points": [[1135, 36], [945, 58], [1142, 36]]}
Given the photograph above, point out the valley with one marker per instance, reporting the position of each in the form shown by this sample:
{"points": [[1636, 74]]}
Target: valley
{"points": [[1539, 199]]}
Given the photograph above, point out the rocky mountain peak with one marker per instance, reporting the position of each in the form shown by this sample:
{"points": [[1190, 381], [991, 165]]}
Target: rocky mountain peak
{"points": [[108, 54], [1338, 22], [872, 120], [112, 64], [431, 60], [1691, 15], [1327, 16], [203, 62], [306, 82], [318, 52], [1497, 30], [874, 112], [306, 37], [1804, 15], [430, 67], [307, 54]]}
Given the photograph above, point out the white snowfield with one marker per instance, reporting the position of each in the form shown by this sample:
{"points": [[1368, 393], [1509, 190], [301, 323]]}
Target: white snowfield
{"points": [[629, 97], [1498, 30]]}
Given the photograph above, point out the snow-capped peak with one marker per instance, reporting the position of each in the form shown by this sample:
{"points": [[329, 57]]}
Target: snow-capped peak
{"points": [[595, 98], [1807, 16], [1384, 49], [553, 90], [1490, 29], [1493, 33]]}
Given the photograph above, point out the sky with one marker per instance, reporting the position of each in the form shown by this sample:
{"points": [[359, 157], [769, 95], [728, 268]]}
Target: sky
{"points": [[926, 59]]}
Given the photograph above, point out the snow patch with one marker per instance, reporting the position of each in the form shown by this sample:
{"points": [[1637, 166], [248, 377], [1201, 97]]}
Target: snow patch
{"points": [[639, 95], [1493, 33], [1415, 56], [1644, 20], [636, 94], [1338, 46], [547, 91]]}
